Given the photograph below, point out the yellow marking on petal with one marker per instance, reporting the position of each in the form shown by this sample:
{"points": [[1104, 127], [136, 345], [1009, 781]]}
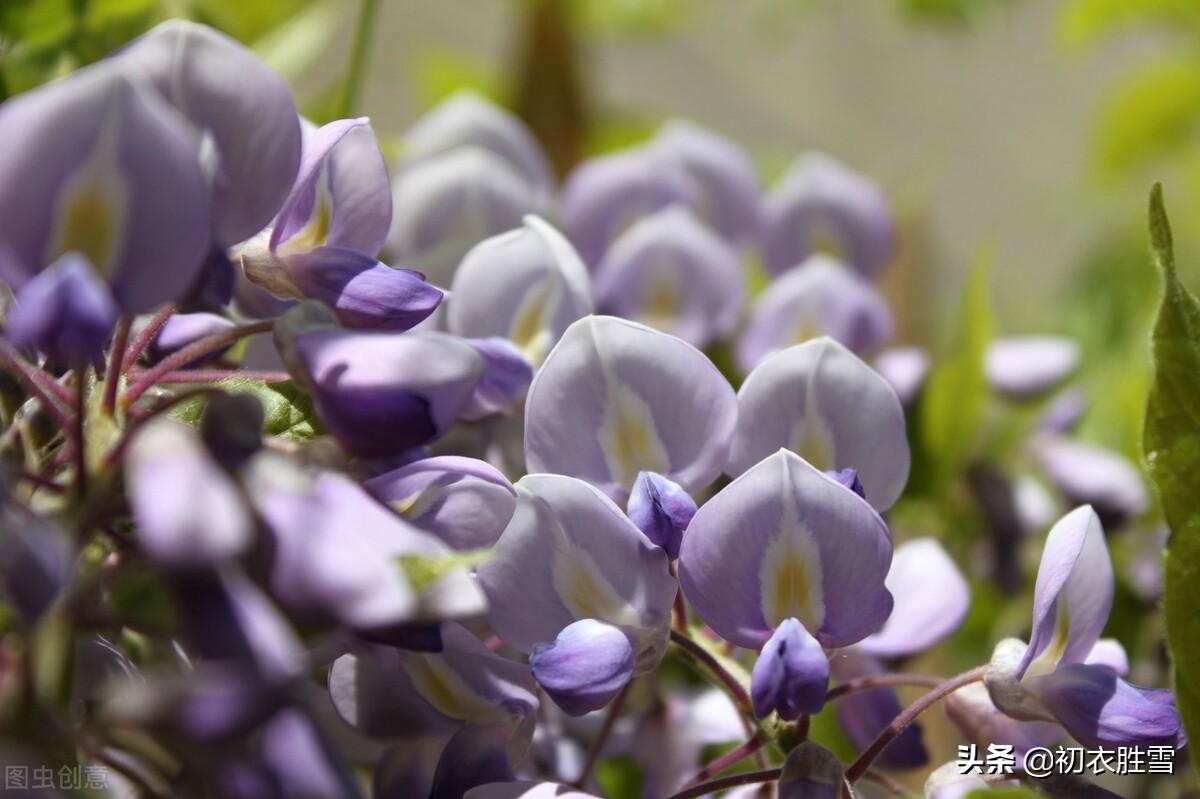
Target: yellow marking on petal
{"points": [[629, 437], [530, 330], [790, 574], [825, 239], [439, 685], [1048, 660], [94, 206], [663, 300], [584, 590], [316, 231], [806, 330], [812, 441], [414, 505]]}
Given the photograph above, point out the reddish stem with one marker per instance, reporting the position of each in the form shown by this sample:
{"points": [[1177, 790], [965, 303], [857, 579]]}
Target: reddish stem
{"points": [[728, 759], [25, 373], [732, 781], [217, 375], [146, 335], [116, 357], [740, 698], [878, 680], [610, 719]]}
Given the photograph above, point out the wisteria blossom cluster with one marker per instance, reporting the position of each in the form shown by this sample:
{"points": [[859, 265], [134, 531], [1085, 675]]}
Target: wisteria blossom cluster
{"points": [[331, 477]]}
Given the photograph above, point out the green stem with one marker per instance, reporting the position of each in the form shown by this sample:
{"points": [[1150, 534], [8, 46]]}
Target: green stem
{"points": [[359, 56]]}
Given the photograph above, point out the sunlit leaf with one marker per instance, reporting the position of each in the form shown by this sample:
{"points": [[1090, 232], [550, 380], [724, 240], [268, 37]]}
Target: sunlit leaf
{"points": [[1171, 446], [301, 41], [1084, 22], [287, 411], [1151, 113], [423, 571]]}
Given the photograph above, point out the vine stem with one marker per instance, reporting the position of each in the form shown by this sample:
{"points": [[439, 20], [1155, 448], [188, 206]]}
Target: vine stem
{"points": [[182, 357], [740, 698], [147, 335], [859, 767], [879, 680], [610, 719], [758, 741], [116, 360], [79, 431], [25, 373], [732, 781]]}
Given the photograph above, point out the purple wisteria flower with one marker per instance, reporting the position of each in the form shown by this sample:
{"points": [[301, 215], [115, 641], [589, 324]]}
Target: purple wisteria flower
{"points": [[574, 583], [821, 297], [615, 398], [505, 380], [1048, 678], [821, 205], [527, 285], [465, 502], [905, 369], [1023, 367], [672, 273], [65, 311], [823, 403], [789, 560], [1086, 473], [526, 790], [183, 329], [662, 510]]}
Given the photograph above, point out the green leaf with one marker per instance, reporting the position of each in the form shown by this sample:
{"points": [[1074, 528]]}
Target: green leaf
{"points": [[301, 41], [287, 411], [1084, 22], [1171, 447], [425, 570], [955, 397]]}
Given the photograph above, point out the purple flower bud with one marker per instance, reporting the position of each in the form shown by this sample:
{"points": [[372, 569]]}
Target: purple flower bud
{"points": [[654, 402], [1098, 708], [672, 273], [821, 297], [821, 204], [242, 112], [527, 285], [382, 393], [811, 772], [662, 510], [723, 174], [604, 195], [463, 501], [1023, 367], [786, 541], [791, 675], [184, 329], [444, 205], [584, 667], [820, 401], [506, 378], [466, 119], [65, 311], [849, 478]]}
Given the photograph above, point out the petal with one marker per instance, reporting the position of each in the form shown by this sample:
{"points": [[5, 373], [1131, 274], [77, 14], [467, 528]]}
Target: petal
{"points": [[811, 772], [931, 600], [864, 714], [303, 761], [662, 510], [183, 329], [1100, 709], [656, 404], [725, 178], [444, 205], [1074, 591], [1022, 367], [342, 196], [820, 204], [466, 119], [586, 665], [569, 554], [603, 195], [786, 540], [383, 393], [791, 674], [905, 369], [821, 297], [1109, 653], [407, 769], [819, 400], [1087, 474], [506, 378], [188, 511], [526, 790], [237, 103], [100, 165], [672, 273], [981, 722], [36, 563], [363, 292], [65, 311], [527, 285], [463, 501], [474, 756]]}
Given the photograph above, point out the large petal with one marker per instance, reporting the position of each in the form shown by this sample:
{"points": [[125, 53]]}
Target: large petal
{"points": [[465, 502], [724, 176], [822, 204], [821, 297], [342, 196], [99, 165], [604, 195], [466, 119], [819, 400], [654, 402], [569, 554], [236, 102], [672, 273], [786, 540], [445, 205], [1073, 594], [188, 510], [527, 285], [931, 600]]}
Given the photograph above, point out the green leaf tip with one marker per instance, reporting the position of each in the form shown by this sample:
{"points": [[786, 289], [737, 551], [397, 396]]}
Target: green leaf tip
{"points": [[1161, 243]]}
